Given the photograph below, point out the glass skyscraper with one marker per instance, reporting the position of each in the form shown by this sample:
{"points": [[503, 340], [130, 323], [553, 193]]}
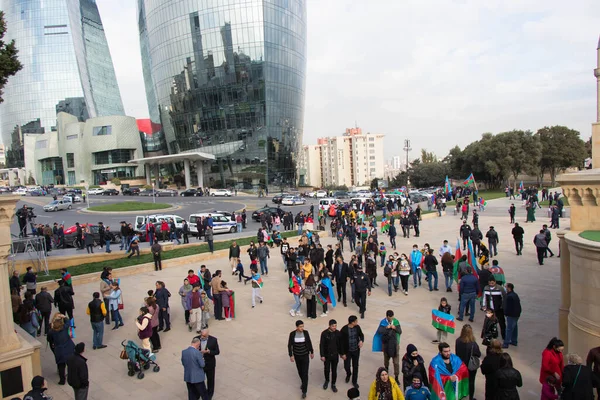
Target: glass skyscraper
{"points": [[66, 67], [227, 77]]}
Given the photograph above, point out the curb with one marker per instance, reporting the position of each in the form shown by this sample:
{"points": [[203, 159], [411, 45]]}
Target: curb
{"points": [[157, 211]]}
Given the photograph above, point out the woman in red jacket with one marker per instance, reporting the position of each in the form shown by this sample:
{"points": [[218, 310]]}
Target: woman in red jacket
{"points": [[552, 361]]}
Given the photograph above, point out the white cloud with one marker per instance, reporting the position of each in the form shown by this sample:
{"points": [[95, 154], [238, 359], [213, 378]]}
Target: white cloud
{"points": [[437, 72]]}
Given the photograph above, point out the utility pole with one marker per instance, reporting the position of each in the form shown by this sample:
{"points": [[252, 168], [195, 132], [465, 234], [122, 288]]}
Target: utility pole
{"points": [[407, 149]]}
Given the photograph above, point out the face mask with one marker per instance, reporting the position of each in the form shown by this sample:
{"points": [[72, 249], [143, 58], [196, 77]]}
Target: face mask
{"points": [[416, 385]]}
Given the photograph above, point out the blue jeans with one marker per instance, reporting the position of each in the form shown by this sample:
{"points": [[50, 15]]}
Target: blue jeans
{"points": [[382, 260], [448, 279], [415, 274], [239, 226], [123, 243], [389, 286], [301, 259], [433, 274], [107, 243], [396, 280], [263, 266], [116, 316], [98, 333], [300, 229], [512, 331], [297, 305], [352, 242], [284, 262], [174, 237], [464, 299]]}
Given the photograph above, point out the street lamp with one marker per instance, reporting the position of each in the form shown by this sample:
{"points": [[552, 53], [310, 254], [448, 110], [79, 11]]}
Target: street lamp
{"points": [[153, 194], [87, 194]]}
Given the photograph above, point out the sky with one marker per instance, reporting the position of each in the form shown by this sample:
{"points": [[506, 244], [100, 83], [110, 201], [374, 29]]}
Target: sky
{"points": [[439, 73]]}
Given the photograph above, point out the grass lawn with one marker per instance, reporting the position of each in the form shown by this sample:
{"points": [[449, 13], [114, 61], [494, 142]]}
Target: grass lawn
{"points": [[591, 235], [130, 206], [563, 198], [146, 258], [486, 194]]}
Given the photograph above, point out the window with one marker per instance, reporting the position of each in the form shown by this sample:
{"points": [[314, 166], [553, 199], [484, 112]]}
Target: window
{"points": [[41, 144], [371, 144], [102, 130], [371, 139], [70, 160], [371, 157], [72, 137], [119, 156], [372, 163]]}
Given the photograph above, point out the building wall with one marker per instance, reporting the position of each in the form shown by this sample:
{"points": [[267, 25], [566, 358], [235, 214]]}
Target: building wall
{"points": [[63, 49]]}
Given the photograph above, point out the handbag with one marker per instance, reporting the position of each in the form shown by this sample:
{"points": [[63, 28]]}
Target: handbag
{"points": [[473, 361], [120, 303], [123, 355]]}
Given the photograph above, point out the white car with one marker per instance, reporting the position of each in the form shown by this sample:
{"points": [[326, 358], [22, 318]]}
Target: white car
{"points": [[95, 191], [73, 198], [21, 192], [292, 201], [321, 193], [221, 192]]}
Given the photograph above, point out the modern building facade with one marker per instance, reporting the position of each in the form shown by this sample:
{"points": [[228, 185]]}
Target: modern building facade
{"points": [[93, 152], [66, 67], [353, 159], [228, 78]]}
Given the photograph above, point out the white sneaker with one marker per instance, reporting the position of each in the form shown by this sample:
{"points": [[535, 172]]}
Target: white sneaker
{"points": [[227, 319], [299, 314], [324, 315], [292, 313]]}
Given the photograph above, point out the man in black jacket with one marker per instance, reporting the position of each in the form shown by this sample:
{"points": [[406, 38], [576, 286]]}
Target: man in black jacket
{"points": [[362, 286], [77, 376], [352, 339], [101, 231], [330, 348], [63, 299], [43, 302], [512, 311], [493, 240], [209, 347], [476, 237], [300, 348], [329, 258], [518, 233], [340, 277], [465, 233]]}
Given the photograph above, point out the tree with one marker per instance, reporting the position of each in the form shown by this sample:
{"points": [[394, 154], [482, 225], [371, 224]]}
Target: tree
{"points": [[58, 179], [588, 148], [9, 62], [374, 184], [561, 148], [428, 174], [427, 157], [399, 180]]}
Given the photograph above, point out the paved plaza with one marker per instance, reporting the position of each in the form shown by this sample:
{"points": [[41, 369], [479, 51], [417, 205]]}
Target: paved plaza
{"points": [[254, 363]]}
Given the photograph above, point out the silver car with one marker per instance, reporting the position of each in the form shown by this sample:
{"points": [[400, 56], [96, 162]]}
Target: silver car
{"points": [[58, 205]]}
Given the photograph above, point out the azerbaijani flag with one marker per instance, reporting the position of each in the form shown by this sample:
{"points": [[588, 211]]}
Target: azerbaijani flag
{"points": [[258, 280], [232, 305], [447, 187], [470, 179], [442, 321], [498, 274], [377, 345], [441, 385], [457, 256], [472, 258], [521, 188]]}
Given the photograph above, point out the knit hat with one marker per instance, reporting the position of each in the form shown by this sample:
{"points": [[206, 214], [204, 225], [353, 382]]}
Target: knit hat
{"points": [[79, 347], [37, 382], [353, 393], [411, 348]]}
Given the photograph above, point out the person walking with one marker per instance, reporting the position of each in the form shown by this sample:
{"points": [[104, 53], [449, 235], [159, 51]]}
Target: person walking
{"points": [[548, 240], [193, 371], [511, 212], [43, 303], [413, 363], [105, 289], [194, 304], [541, 245], [468, 351], [553, 361], [430, 262], [114, 299], [300, 350], [447, 262], [330, 349], [78, 376], [385, 387], [465, 233], [97, 312], [512, 310], [153, 310], [61, 344], [387, 340], [493, 240], [295, 288], [508, 379], [257, 285], [162, 295], [518, 233], [63, 299], [468, 290], [184, 290], [416, 258], [362, 289], [489, 366], [209, 347], [493, 299], [578, 380], [352, 339], [156, 250], [341, 275], [263, 254], [208, 235]]}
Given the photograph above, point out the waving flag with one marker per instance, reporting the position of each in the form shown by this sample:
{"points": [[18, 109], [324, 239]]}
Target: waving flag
{"points": [[482, 201], [498, 274], [442, 321], [447, 187], [440, 379], [470, 180], [457, 256], [473, 261], [521, 188]]}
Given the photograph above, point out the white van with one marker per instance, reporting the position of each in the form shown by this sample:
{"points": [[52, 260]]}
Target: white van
{"points": [[325, 203], [221, 223]]}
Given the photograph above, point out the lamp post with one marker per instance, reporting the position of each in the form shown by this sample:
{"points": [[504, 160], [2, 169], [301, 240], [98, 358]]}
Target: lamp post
{"points": [[87, 194], [153, 194]]}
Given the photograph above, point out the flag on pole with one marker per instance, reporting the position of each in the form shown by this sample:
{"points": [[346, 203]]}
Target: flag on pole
{"points": [[472, 257], [457, 256], [442, 321], [521, 186], [482, 202], [447, 187], [470, 180]]}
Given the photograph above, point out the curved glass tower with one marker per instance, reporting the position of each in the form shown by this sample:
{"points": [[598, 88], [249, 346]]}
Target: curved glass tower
{"points": [[66, 67], [227, 77]]}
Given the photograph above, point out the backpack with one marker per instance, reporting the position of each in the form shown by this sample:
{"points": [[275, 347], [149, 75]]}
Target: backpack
{"points": [[324, 290], [387, 271]]}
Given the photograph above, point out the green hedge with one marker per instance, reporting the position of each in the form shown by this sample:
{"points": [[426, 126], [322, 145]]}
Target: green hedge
{"points": [[147, 258]]}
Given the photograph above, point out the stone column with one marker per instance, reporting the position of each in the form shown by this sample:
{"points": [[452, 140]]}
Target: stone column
{"points": [[8, 338], [200, 173], [156, 176], [186, 172], [148, 173], [565, 288]]}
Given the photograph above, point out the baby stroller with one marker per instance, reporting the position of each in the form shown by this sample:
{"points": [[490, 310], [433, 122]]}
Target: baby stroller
{"points": [[138, 359]]}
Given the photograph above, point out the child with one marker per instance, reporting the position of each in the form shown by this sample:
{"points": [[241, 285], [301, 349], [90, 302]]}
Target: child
{"points": [[240, 271], [206, 310], [416, 391], [225, 293], [549, 389], [490, 327], [445, 308], [382, 253], [257, 283]]}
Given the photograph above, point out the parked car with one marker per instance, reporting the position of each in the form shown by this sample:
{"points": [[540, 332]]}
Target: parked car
{"points": [[341, 195], [221, 192], [72, 197], [74, 190], [142, 220], [95, 191], [21, 192], [110, 192], [293, 201], [58, 205], [271, 210], [37, 192], [71, 235], [131, 191], [321, 193], [189, 193], [166, 193], [278, 197], [221, 223], [146, 192], [225, 213]]}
